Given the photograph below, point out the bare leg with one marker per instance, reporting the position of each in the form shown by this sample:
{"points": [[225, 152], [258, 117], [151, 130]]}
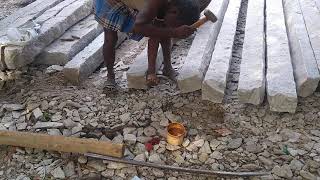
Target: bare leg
{"points": [[110, 41], [153, 45], [167, 69]]}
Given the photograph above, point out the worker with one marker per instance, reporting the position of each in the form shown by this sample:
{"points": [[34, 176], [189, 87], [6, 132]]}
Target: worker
{"points": [[160, 20]]}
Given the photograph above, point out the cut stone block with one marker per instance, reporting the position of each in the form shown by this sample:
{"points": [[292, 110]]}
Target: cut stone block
{"points": [[281, 88], [54, 22], [199, 56], [311, 16], [26, 14], [215, 81], [305, 67], [251, 87], [70, 43], [136, 75], [87, 60]]}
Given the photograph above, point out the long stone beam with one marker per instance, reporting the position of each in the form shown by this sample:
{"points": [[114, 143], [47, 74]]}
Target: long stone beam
{"points": [[311, 16], [26, 14], [251, 88], [54, 22], [62, 50], [87, 60], [214, 84], [281, 88], [305, 66], [199, 56]]}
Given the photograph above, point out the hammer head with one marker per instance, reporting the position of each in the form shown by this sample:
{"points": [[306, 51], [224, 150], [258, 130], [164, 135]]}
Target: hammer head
{"points": [[210, 16]]}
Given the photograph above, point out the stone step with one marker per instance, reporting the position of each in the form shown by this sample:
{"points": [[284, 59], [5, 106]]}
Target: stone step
{"points": [[214, 84], [70, 43], [199, 56], [136, 75], [26, 14], [311, 14], [281, 88], [305, 66], [251, 87], [54, 22], [88, 60]]}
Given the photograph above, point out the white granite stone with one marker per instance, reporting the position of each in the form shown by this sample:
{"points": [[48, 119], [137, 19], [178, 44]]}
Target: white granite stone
{"points": [[199, 56], [281, 88], [214, 84], [251, 87], [305, 67]]}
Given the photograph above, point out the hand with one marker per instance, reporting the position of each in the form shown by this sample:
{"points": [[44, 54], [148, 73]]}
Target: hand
{"points": [[183, 31]]}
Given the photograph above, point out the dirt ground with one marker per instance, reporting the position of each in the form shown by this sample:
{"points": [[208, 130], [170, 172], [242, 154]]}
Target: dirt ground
{"points": [[224, 137]]}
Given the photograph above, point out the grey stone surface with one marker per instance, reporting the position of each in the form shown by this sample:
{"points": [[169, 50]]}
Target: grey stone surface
{"points": [[311, 13], [87, 60], [305, 67], [54, 22], [251, 88], [26, 14], [63, 50], [214, 83], [281, 88], [136, 75], [199, 56], [41, 125]]}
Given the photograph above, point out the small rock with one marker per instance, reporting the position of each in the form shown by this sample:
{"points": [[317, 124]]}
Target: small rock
{"points": [[150, 131], [158, 173], [315, 132], [54, 132], [56, 117], [205, 148], [130, 139], [82, 159], [37, 113], [128, 130], [307, 175], [54, 69], [265, 161], [203, 157], [21, 126], [109, 173], [58, 173], [235, 143], [139, 106], [68, 123], [172, 147], [195, 144], [214, 144], [118, 139], [104, 138], [193, 132], [296, 165], [13, 107], [21, 177], [69, 169], [155, 158], [283, 171], [113, 165], [186, 143], [44, 105], [164, 122], [290, 135], [97, 165], [76, 129], [216, 155], [275, 138], [140, 157], [46, 125], [254, 147], [125, 117]]}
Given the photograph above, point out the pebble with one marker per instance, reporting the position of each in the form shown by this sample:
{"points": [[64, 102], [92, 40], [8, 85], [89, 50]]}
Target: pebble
{"points": [[69, 169], [58, 173], [214, 144], [13, 107], [140, 157], [130, 139], [46, 125], [216, 155], [186, 143], [235, 143], [109, 173], [37, 113], [307, 175], [205, 148], [284, 171], [172, 147], [150, 131], [54, 132], [113, 165], [82, 159], [265, 161], [21, 126], [203, 157], [125, 117], [195, 144], [158, 173], [97, 165], [155, 158]]}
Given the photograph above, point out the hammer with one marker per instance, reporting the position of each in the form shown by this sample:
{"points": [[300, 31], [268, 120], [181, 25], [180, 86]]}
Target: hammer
{"points": [[208, 16]]}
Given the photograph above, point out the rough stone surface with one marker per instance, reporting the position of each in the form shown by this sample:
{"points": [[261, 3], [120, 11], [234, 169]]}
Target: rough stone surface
{"points": [[70, 43], [87, 60], [251, 87], [25, 14], [54, 22], [305, 66], [136, 75], [214, 84], [281, 88], [199, 56], [41, 125]]}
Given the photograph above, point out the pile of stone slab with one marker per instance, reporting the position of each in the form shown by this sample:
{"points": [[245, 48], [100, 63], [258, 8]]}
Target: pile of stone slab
{"points": [[68, 36], [280, 58]]}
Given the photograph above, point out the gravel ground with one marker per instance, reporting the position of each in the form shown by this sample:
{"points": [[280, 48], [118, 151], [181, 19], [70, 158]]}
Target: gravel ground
{"points": [[228, 137]]}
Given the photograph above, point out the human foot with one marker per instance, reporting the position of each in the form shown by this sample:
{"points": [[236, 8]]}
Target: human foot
{"points": [[111, 80], [170, 73], [152, 79]]}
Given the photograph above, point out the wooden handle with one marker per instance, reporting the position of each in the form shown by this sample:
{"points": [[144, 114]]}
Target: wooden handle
{"points": [[199, 22], [60, 143]]}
